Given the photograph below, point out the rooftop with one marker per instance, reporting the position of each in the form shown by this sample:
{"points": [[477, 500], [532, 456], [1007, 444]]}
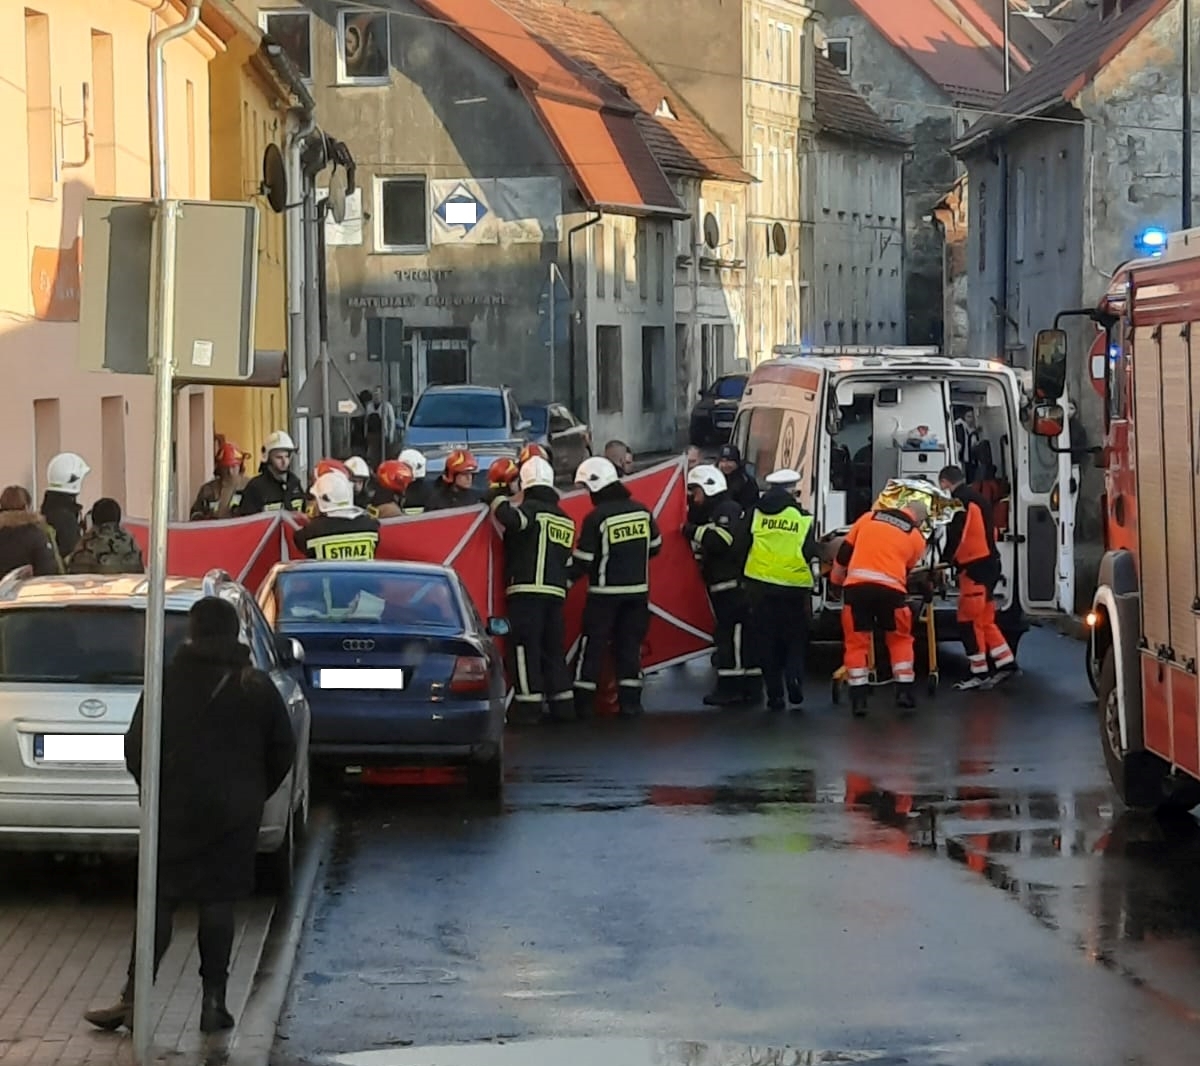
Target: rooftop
{"points": [[842, 112]]}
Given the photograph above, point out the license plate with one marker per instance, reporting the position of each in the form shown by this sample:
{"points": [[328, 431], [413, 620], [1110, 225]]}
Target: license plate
{"points": [[79, 748], [368, 678]]}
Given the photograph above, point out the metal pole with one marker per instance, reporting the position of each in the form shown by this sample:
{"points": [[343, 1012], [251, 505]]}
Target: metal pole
{"points": [[1007, 49], [323, 322], [553, 311], [163, 358], [1187, 114]]}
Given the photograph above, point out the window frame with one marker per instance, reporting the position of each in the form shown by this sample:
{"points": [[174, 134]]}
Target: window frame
{"points": [[340, 46], [377, 222], [604, 402], [264, 24], [849, 54]]}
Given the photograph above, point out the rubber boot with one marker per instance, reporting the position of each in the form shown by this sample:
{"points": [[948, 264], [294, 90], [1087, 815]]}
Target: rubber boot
{"points": [[905, 699], [630, 702], [585, 703], [858, 700], [752, 689], [562, 710], [110, 1019], [795, 691], [213, 1015], [727, 692]]}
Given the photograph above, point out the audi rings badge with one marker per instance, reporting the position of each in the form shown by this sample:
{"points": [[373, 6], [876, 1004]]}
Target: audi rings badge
{"points": [[358, 645]]}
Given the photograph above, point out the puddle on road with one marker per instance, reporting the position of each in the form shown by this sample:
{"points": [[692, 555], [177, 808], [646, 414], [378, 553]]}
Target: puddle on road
{"points": [[612, 1052]]}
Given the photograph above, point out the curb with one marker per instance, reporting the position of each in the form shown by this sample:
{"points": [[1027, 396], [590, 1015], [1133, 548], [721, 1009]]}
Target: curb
{"points": [[255, 1035]]}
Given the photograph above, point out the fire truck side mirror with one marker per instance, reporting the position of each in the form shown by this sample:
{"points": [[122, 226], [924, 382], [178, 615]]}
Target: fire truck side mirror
{"points": [[1050, 364], [1049, 420]]}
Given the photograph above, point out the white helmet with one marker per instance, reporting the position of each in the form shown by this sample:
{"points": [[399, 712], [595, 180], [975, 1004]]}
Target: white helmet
{"points": [[415, 460], [596, 473], [333, 493], [65, 473], [537, 471], [279, 441], [707, 478], [358, 467]]}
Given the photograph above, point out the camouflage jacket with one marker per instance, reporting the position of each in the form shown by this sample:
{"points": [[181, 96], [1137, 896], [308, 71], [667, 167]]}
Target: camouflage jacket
{"points": [[106, 549]]}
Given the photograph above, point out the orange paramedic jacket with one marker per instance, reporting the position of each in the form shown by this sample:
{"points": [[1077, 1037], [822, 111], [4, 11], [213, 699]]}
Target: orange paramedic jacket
{"points": [[970, 544], [880, 549]]}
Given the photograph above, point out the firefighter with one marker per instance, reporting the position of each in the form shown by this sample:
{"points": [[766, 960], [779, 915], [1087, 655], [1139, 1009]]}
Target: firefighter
{"points": [[779, 583], [215, 498], [872, 566], [618, 538], [393, 479], [276, 488], [538, 538], [721, 542], [418, 496], [971, 547], [60, 503], [323, 467], [455, 488], [342, 531], [501, 477], [742, 488], [532, 451], [360, 478]]}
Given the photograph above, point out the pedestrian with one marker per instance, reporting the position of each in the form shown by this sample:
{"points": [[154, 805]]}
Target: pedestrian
{"points": [[779, 583], [381, 427], [215, 498], [227, 746], [276, 487], [872, 567], [741, 485], [360, 478], [418, 497], [721, 542], [971, 547], [342, 531], [456, 486], [538, 540], [358, 424], [618, 539], [60, 504], [107, 547], [617, 452], [25, 537]]}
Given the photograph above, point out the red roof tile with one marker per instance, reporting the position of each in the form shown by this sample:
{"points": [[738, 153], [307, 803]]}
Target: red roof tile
{"points": [[841, 111], [593, 128]]}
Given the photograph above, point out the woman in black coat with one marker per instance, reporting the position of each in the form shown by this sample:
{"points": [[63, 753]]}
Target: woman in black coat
{"points": [[227, 745]]}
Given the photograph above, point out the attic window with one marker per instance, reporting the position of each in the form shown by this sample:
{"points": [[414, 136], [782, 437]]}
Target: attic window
{"points": [[664, 110], [837, 49]]}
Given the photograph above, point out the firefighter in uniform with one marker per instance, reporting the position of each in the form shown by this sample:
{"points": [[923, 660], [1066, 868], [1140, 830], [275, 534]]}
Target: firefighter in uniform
{"points": [[720, 542], [215, 498], [276, 488], [501, 476], [872, 567], [532, 451], [538, 538], [618, 538], [342, 531], [779, 583], [455, 488], [360, 478], [393, 480], [971, 547], [417, 495]]}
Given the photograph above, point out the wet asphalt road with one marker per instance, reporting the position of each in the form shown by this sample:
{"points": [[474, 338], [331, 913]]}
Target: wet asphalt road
{"points": [[955, 888]]}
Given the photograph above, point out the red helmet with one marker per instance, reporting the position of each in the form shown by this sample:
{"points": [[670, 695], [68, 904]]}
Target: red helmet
{"points": [[503, 472], [532, 451], [229, 454], [459, 461], [394, 475], [328, 466]]}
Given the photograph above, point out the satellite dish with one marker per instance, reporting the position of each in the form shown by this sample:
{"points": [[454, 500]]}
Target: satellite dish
{"points": [[712, 230], [779, 238], [274, 179], [337, 195]]}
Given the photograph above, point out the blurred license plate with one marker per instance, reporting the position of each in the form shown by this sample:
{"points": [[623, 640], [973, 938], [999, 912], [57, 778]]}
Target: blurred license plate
{"points": [[79, 748], [377, 677]]}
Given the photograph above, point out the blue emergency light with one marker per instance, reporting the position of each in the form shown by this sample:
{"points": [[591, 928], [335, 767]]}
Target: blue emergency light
{"points": [[1151, 241]]}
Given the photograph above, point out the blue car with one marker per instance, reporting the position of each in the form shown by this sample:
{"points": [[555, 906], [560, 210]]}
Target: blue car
{"points": [[398, 667]]}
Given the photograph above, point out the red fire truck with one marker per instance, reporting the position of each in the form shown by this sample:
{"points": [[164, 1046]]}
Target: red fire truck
{"points": [[1145, 616]]}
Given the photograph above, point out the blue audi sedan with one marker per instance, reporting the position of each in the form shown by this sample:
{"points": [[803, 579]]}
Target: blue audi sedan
{"points": [[399, 668]]}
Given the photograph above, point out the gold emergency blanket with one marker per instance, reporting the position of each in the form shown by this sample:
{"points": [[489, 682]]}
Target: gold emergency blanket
{"points": [[900, 491]]}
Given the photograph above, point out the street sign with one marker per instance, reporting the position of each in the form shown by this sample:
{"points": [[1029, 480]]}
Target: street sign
{"points": [[554, 305], [310, 398]]}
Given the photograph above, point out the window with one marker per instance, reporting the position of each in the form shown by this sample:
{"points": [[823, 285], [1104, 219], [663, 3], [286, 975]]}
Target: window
{"points": [[608, 369], [982, 220], [561, 420], [618, 261], [39, 108], [354, 597], [789, 184], [1020, 193], [660, 259], [104, 136], [838, 51], [292, 31], [600, 253], [460, 410], [400, 215], [654, 360], [642, 259], [731, 388], [758, 439], [786, 53], [363, 49]]}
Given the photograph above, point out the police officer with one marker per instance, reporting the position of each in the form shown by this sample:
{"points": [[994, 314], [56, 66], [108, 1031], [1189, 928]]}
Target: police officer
{"points": [[418, 496], [779, 582], [721, 541], [276, 488], [342, 531], [617, 541], [538, 537], [456, 486]]}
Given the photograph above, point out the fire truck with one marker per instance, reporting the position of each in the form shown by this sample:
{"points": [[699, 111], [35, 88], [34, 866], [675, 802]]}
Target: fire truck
{"points": [[1145, 616]]}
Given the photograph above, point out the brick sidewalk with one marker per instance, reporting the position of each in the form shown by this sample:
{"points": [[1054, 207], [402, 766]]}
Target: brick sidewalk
{"points": [[59, 959]]}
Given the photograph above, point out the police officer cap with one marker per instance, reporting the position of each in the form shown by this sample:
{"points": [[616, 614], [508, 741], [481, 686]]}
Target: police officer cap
{"points": [[783, 477]]}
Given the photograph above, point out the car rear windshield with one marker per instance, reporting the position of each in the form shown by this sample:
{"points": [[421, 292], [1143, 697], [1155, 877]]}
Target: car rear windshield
{"points": [[538, 417], [731, 388], [357, 597], [451, 410], [80, 645]]}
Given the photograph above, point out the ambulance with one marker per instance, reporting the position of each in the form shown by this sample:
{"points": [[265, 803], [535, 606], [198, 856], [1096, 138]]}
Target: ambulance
{"points": [[848, 419]]}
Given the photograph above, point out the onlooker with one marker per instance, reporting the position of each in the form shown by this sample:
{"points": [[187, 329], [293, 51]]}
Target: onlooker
{"points": [[25, 538], [106, 548], [381, 427], [617, 452], [60, 505], [227, 745]]}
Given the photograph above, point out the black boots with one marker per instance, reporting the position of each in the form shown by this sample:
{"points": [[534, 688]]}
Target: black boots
{"points": [[904, 697], [858, 700], [585, 703], [110, 1019], [213, 1016], [726, 694]]}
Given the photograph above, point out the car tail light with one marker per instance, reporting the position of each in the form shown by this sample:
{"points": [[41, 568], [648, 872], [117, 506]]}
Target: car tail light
{"points": [[470, 675]]}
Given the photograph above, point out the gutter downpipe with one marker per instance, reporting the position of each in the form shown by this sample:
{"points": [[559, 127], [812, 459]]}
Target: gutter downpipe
{"points": [[299, 356], [587, 223], [164, 305]]}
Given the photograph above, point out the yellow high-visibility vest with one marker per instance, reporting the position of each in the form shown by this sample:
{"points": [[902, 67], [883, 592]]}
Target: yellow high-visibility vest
{"points": [[777, 551]]}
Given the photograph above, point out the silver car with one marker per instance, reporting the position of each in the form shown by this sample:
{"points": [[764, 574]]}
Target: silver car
{"points": [[71, 665]]}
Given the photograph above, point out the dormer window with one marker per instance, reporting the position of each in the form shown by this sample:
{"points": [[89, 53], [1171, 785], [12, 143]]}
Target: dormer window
{"points": [[664, 110]]}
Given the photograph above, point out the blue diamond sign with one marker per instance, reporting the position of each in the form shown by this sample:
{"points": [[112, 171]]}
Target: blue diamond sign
{"points": [[461, 208]]}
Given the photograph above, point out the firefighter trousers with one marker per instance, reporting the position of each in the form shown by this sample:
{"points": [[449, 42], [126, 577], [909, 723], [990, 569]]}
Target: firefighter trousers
{"points": [[731, 609], [621, 621], [538, 655], [779, 621], [981, 635], [877, 607]]}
